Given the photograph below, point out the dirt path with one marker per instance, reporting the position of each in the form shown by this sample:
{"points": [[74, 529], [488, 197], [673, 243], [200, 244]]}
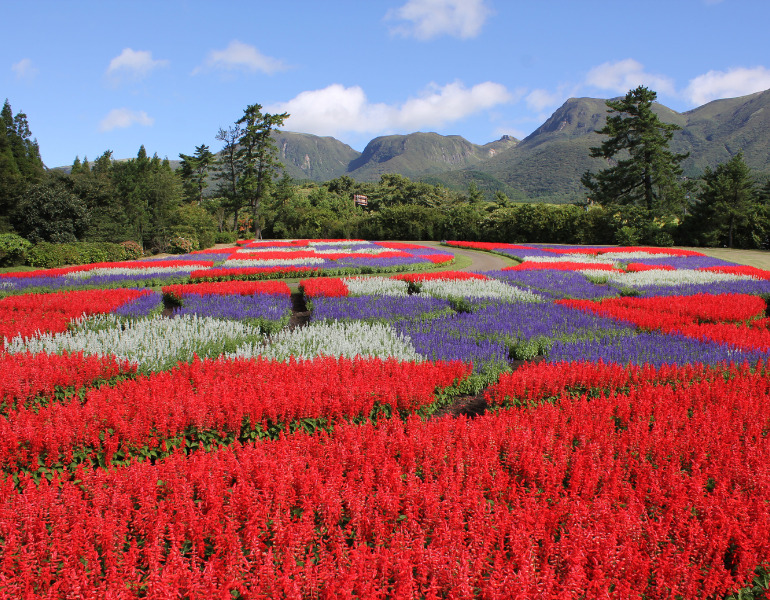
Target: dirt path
{"points": [[480, 260]]}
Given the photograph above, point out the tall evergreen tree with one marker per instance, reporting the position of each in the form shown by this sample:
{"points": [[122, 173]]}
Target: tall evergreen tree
{"points": [[194, 171], [727, 202], [20, 162], [258, 154], [645, 173], [228, 169]]}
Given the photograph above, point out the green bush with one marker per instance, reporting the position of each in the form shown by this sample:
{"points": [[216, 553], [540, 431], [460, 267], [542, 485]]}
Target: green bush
{"points": [[181, 245], [225, 237], [47, 255], [131, 249], [13, 250]]}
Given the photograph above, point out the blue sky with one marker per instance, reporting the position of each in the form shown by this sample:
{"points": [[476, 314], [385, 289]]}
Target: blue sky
{"points": [[112, 75]]}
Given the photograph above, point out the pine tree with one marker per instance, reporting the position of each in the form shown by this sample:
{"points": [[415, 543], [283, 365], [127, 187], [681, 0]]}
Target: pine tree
{"points": [[726, 203], [257, 151], [645, 172], [194, 171]]}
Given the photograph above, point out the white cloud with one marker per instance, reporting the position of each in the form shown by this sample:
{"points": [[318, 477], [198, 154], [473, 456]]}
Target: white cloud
{"points": [[120, 118], [134, 64], [624, 75], [24, 69], [428, 19], [240, 57], [541, 99], [739, 81], [336, 109]]}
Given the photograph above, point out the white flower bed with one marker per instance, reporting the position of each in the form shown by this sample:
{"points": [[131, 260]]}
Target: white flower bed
{"points": [[578, 258], [274, 262], [476, 288], [376, 286], [632, 256], [374, 250], [153, 343], [149, 271], [272, 249], [339, 243], [664, 277], [347, 339]]}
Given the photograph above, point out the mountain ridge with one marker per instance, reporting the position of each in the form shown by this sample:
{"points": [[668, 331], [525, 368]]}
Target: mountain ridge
{"points": [[544, 166]]}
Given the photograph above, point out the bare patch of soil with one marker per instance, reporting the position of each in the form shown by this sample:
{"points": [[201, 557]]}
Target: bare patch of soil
{"points": [[300, 315], [475, 405]]}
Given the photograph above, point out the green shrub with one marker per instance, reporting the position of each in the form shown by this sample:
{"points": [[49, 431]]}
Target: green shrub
{"points": [[181, 245], [225, 237], [13, 250], [47, 255], [132, 250]]}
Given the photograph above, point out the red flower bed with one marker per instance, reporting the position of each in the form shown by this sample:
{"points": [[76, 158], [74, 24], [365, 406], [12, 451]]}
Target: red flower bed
{"points": [[718, 318], [639, 267], [739, 270], [27, 376], [236, 287], [487, 245], [562, 266], [30, 314], [224, 397], [673, 312], [331, 287], [450, 275], [438, 258], [658, 491]]}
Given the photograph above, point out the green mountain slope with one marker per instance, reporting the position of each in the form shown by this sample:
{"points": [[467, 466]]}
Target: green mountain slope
{"points": [[419, 154], [307, 156]]}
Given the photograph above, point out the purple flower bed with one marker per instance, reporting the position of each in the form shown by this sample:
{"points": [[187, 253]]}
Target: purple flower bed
{"points": [[525, 321], [385, 308], [268, 307], [142, 306], [436, 343], [556, 284], [63, 282], [652, 348]]}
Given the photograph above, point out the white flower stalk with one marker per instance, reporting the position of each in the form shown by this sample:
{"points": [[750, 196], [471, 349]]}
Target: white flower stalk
{"points": [[338, 243], [274, 262], [363, 250], [476, 288], [148, 271], [665, 277], [578, 258], [376, 286], [270, 249], [341, 339], [632, 256], [153, 343]]}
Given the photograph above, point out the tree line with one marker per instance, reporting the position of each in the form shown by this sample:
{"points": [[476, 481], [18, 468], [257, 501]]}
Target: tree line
{"points": [[240, 191]]}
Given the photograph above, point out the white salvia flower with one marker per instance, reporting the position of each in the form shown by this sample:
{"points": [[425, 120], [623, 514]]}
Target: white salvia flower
{"points": [[149, 271], [665, 277], [638, 255], [376, 286], [578, 258], [337, 338], [476, 288], [273, 262], [346, 243], [153, 343]]}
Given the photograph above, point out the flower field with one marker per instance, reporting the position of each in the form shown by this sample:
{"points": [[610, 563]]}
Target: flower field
{"points": [[168, 430]]}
